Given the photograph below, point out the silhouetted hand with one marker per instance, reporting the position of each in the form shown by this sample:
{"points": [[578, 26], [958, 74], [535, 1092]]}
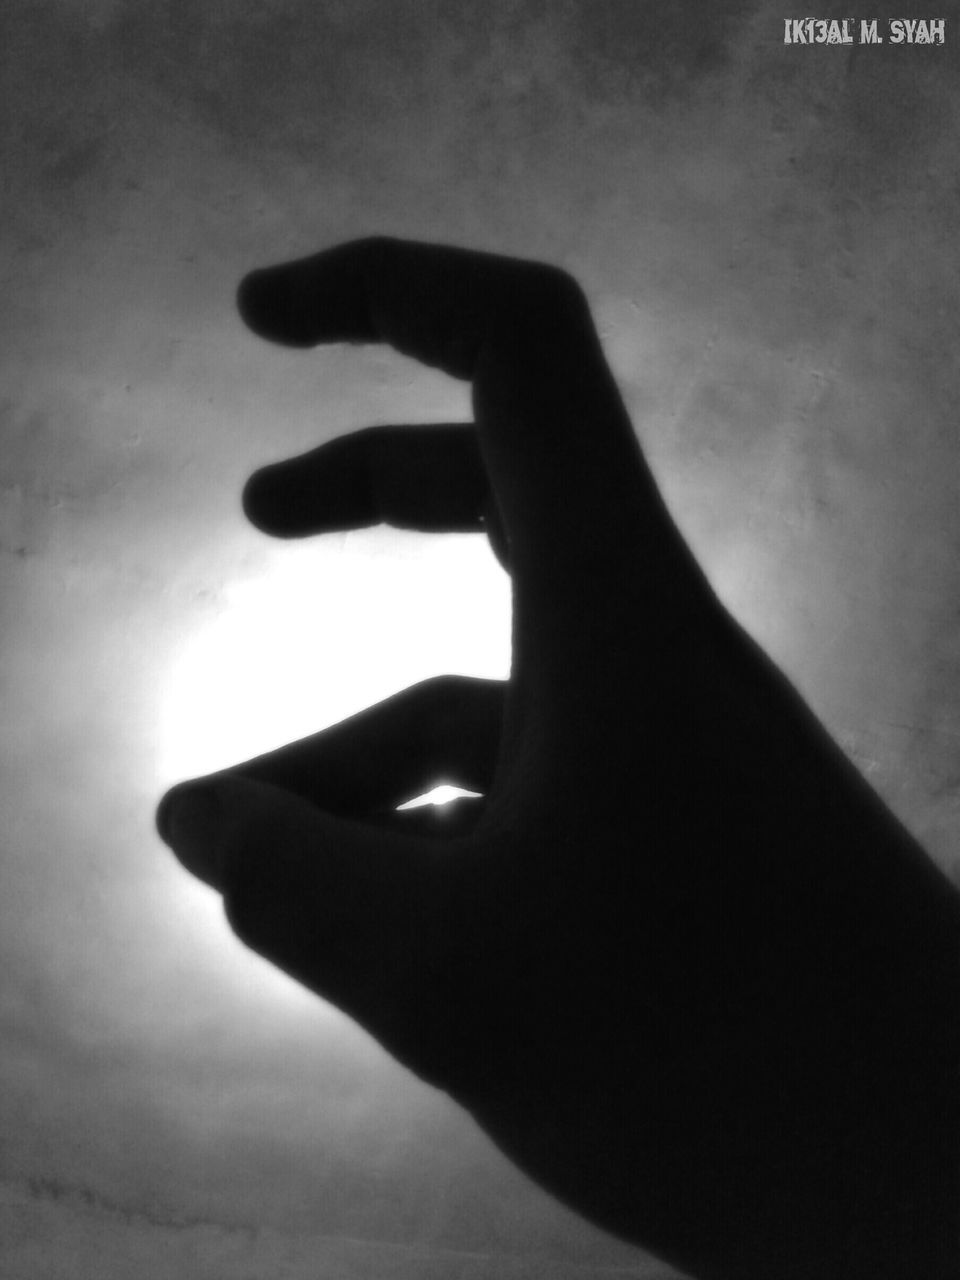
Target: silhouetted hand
{"points": [[679, 962]]}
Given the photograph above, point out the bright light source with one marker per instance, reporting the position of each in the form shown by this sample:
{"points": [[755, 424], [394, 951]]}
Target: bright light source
{"points": [[330, 626], [336, 624], [439, 796]]}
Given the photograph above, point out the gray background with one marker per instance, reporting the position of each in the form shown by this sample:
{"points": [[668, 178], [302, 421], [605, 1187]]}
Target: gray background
{"points": [[767, 236]]}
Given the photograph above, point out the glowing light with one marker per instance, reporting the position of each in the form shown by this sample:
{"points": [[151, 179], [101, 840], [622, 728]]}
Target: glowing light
{"points": [[439, 795], [328, 627], [334, 625]]}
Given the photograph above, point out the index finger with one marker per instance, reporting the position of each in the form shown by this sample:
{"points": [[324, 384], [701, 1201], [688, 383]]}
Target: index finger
{"points": [[438, 304], [578, 502]]}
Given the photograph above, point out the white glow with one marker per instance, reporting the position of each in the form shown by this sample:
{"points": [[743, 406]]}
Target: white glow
{"points": [[336, 624], [330, 626], [439, 796]]}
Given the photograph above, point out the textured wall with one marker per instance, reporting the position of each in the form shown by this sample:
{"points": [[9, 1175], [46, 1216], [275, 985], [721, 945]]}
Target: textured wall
{"points": [[767, 235]]}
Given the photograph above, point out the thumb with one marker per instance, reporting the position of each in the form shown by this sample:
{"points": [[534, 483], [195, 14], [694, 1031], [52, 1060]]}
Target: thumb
{"points": [[360, 915]]}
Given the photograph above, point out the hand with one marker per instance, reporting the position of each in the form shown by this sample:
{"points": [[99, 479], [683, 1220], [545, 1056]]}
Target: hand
{"points": [[678, 961]]}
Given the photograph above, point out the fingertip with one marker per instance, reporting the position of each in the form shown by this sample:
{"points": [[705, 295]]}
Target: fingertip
{"points": [[270, 305], [259, 501], [311, 300], [323, 491], [163, 815], [166, 809], [279, 501], [190, 820], [290, 499], [253, 303]]}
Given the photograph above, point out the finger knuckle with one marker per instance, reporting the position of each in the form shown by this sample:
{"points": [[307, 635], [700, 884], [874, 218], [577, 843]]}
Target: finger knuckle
{"points": [[556, 290], [438, 695]]}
